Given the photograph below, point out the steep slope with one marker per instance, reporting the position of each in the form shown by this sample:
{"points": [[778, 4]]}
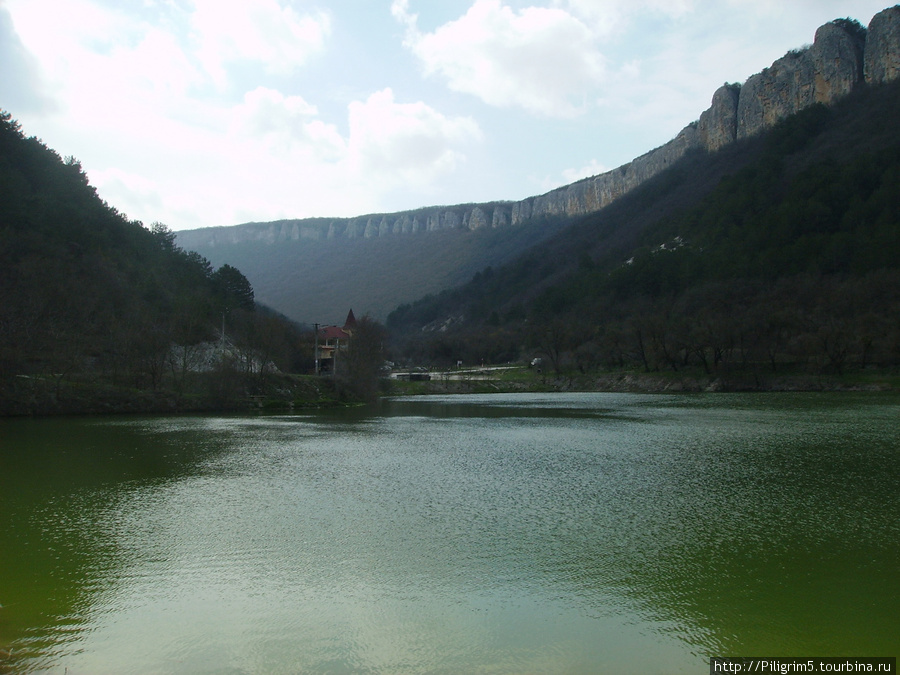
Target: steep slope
{"points": [[316, 281], [780, 249], [313, 269]]}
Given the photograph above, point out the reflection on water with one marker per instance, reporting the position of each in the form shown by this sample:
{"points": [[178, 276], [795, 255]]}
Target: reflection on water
{"points": [[508, 533]]}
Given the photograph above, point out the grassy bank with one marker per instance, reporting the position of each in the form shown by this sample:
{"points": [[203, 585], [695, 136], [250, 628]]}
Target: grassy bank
{"points": [[202, 392], [231, 392], [522, 379]]}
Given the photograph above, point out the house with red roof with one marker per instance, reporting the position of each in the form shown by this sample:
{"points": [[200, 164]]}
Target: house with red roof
{"points": [[330, 341]]}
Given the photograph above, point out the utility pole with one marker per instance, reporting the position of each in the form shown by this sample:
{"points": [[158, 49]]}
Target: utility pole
{"points": [[317, 348], [337, 348]]}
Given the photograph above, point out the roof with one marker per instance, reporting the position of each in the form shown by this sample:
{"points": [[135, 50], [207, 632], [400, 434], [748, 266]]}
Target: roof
{"points": [[333, 333], [350, 323]]}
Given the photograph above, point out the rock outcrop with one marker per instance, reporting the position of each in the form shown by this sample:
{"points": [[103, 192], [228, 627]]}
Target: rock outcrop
{"points": [[718, 125], [823, 73], [842, 57], [882, 57]]}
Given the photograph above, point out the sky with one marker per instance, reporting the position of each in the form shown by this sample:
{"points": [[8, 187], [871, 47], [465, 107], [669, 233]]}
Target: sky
{"points": [[198, 113]]}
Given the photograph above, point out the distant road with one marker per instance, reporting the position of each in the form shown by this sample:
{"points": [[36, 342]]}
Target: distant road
{"points": [[485, 373]]}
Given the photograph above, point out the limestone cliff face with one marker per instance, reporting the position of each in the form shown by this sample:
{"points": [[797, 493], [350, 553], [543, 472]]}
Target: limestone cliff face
{"points": [[840, 59], [882, 57], [718, 125], [823, 73]]}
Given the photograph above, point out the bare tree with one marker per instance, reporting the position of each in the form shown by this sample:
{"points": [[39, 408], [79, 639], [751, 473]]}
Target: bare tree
{"points": [[359, 368]]}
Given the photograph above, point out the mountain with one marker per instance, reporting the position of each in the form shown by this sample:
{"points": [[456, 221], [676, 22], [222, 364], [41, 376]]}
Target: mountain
{"points": [[318, 280], [778, 254], [314, 269]]}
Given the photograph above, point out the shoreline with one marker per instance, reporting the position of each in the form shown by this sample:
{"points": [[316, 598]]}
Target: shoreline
{"points": [[656, 383], [41, 397]]}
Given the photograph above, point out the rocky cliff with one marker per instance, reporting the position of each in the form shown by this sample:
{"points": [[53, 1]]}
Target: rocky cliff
{"points": [[842, 57]]}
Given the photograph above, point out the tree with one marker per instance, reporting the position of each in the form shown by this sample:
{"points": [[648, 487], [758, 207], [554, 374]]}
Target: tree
{"points": [[234, 289], [359, 367], [553, 339], [164, 236]]}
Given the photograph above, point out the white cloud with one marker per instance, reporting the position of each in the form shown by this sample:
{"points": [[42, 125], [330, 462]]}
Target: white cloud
{"points": [[59, 35], [261, 31], [400, 11], [411, 143], [214, 35], [279, 159], [286, 124], [544, 60], [122, 187], [158, 65], [265, 110], [21, 82], [608, 17]]}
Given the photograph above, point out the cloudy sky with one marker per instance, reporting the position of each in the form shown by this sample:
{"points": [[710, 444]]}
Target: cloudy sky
{"points": [[217, 112]]}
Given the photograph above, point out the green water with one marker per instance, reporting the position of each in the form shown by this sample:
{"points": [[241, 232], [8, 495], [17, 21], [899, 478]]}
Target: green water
{"points": [[567, 533]]}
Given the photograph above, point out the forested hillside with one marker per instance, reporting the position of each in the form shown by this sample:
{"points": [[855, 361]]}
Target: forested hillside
{"points": [[92, 304], [780, 253]]}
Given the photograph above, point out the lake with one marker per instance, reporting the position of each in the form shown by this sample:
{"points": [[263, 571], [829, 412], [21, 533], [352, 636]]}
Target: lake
{"points": [[509, 533]]}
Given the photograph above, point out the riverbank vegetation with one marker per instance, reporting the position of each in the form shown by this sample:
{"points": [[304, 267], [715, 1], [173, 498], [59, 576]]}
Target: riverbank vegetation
{"points": [[522, 378]]}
